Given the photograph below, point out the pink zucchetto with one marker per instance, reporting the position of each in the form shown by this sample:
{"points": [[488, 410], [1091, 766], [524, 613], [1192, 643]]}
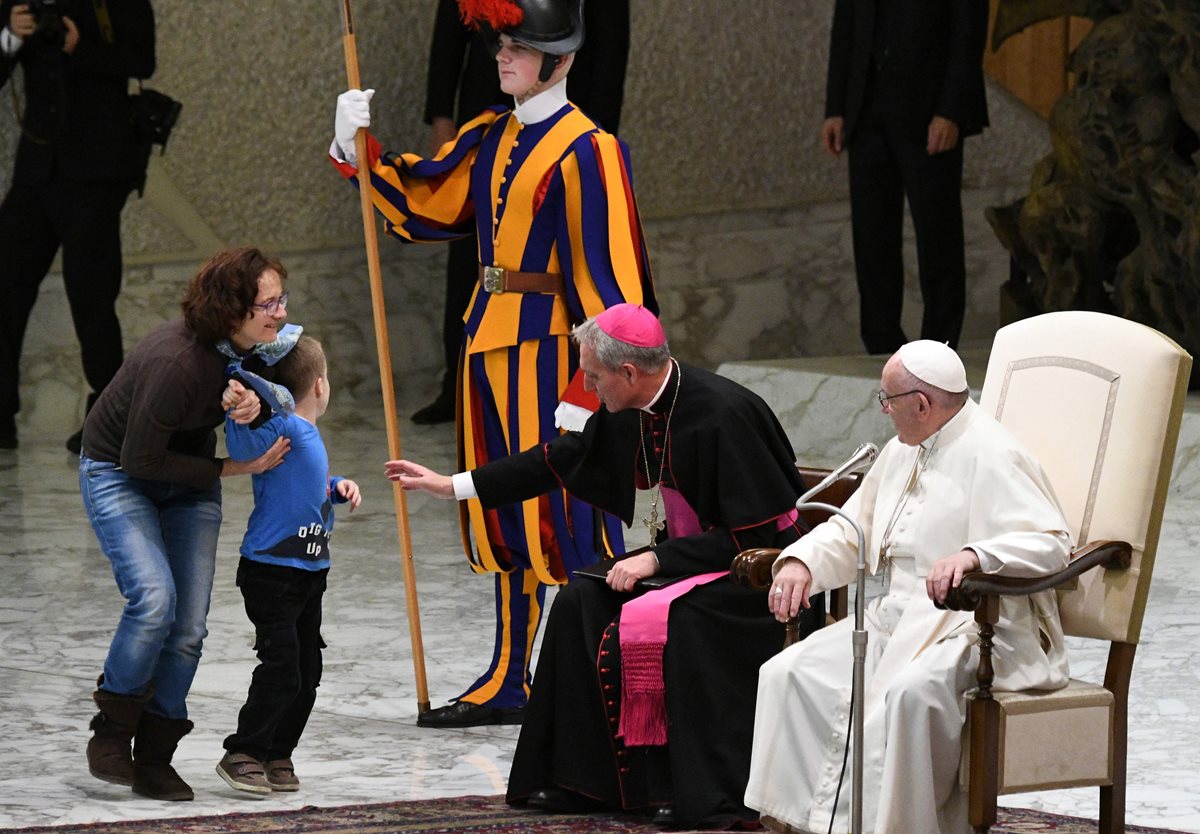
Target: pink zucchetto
{"points": [[934, 363], [632, 324]]}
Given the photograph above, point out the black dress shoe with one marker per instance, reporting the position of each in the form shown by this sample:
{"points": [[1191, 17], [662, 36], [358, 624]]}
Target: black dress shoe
{"points": [[664, 817], [463, 714], [555, 800], [440, 410], [75, 442]]}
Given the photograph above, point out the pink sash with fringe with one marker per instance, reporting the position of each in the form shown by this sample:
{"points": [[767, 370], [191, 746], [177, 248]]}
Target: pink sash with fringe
{"points": [[644, 635], [643, 638]]}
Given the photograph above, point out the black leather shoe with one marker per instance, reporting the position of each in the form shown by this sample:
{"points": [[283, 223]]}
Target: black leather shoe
{"points": [[463, 714], [664, 817], [555, 800], [75, 442], [440, 410]]}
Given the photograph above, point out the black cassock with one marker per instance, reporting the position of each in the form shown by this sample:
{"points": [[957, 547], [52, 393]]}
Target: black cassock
{"points": [[730, 459]]}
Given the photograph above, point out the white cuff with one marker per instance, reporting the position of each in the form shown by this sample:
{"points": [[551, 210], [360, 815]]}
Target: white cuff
{"points": [[789, 552], [464, 486], [335, 151], [988, 562]]}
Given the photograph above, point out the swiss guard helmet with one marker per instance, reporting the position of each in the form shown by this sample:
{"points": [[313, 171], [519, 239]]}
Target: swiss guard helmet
{"points": [[554, 27]]}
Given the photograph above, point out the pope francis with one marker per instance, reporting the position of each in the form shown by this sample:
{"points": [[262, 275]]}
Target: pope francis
{"points": [[953, 492]]}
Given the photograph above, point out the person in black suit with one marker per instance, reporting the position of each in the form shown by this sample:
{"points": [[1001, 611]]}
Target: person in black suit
{"points": [[460, 65], [77, 161], [905, 87]]}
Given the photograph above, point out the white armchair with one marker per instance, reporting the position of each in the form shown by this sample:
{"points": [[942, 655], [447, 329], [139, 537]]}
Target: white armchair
{"points": [[1099, 401]]}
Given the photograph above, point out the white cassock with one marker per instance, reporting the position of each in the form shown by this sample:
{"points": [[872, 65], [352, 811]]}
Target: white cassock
{"points": [[971, 485]]}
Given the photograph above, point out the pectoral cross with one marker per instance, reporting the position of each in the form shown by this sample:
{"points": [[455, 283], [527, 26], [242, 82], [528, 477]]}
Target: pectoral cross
{"points": [[653, 524]]}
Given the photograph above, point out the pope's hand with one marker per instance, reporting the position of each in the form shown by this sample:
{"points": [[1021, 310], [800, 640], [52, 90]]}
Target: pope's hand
{"points": [[353, 111], [948, 573], [789, 591]]}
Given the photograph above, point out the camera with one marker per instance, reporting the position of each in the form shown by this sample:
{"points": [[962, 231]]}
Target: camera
{"points": [[50, 27]]}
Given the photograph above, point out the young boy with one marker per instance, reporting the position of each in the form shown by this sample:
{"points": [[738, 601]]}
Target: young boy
{"points": [[285, 560]]}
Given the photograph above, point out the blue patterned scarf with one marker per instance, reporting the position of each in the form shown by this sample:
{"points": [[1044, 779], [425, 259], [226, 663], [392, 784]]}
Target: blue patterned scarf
{"points": [[276, 396]]}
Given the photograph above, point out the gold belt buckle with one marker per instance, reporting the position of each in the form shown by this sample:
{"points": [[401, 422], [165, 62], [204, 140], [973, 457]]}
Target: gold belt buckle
{"points": [[493, 279]]}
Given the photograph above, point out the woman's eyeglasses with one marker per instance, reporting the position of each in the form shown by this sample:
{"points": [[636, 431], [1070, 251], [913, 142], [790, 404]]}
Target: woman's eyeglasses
{"points": [[272, 307]]}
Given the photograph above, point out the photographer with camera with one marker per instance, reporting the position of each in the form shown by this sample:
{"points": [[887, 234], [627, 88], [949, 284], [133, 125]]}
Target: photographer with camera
{"points": [[78, 157]]}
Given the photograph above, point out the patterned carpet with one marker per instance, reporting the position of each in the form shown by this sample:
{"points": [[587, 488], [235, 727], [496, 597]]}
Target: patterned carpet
{"points": [[471, 815]]}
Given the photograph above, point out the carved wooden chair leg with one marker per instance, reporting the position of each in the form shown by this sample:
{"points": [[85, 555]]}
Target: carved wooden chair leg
{"points": [[1116, 681], [984, 717]]}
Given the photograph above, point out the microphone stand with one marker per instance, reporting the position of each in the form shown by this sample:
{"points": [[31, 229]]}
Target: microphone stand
{"points": [[859, 643]]}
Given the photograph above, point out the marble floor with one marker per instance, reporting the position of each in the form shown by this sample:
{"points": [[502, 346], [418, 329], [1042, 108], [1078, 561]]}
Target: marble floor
{"points": [[58, 606]]}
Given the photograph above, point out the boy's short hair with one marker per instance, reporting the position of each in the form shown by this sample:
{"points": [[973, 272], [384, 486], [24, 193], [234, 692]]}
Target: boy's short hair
{"points": [[303, 365]]}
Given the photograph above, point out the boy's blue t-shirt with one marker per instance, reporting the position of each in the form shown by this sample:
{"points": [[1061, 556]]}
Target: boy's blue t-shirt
{"points": [[292, 517]]}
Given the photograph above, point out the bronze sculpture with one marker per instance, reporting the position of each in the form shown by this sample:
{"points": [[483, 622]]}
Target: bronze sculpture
{"points": [[1111, 222]]}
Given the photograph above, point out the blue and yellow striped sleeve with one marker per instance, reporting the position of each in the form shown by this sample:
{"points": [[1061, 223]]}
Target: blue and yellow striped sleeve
{"points": [[425, 200], [600, 244]]}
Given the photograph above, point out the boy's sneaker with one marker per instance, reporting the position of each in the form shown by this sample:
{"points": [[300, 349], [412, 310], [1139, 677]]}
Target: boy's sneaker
{"points": [[243, 773], [282, 775]]}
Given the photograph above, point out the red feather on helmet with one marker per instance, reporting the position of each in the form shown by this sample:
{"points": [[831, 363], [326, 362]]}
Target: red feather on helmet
{"points": [[498, 14]]}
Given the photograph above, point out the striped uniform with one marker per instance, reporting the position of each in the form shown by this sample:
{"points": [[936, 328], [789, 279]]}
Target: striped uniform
{"points": [[550, 197]]}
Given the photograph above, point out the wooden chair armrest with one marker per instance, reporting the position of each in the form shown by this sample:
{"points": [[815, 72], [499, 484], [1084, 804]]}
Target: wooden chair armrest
{"points": [[1111, 555], [752, 568]]}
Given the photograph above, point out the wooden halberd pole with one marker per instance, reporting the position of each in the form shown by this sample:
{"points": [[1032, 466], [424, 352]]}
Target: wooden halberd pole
{"points": [[370, 232]]}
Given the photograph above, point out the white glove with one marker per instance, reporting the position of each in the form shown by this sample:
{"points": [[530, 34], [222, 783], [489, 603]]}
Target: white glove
{"points": [[353, 112]]}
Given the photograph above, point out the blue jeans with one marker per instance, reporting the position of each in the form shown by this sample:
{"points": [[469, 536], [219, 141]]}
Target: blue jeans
{"points": [[161, 539]]}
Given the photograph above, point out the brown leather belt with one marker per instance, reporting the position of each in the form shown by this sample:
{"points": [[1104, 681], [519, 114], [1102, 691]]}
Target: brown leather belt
{"points": [[497, 280]]}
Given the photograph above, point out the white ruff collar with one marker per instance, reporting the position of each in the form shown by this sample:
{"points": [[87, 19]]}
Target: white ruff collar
{"points": [[542, 106]]}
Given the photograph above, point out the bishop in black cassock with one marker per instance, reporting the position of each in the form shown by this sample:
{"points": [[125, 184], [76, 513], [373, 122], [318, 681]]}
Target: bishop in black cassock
{"points": [[721, 470]]}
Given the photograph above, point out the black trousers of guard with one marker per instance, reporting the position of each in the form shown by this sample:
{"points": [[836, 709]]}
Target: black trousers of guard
{"points": [[462, 274]]}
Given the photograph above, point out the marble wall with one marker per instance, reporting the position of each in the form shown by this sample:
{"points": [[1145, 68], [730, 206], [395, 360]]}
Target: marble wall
{"points": [[739, 285]]}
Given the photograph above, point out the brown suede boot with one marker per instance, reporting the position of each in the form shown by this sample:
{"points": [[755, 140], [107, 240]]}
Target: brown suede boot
{"points": [[153, 747], [112, 729]]}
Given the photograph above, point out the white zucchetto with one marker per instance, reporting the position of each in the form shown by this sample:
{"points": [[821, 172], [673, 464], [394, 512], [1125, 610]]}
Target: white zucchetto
{"points": [[934, 363]]}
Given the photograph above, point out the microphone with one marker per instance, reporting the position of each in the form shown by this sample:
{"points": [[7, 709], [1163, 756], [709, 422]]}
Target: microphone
{"points": [[864, 455]]}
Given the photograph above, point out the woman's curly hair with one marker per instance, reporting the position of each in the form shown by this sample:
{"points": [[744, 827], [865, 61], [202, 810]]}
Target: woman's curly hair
{"points": [[222, 291]]}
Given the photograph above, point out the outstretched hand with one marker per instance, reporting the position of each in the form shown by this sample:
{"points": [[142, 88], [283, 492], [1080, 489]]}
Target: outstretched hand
{"points": [[415, 476]]}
